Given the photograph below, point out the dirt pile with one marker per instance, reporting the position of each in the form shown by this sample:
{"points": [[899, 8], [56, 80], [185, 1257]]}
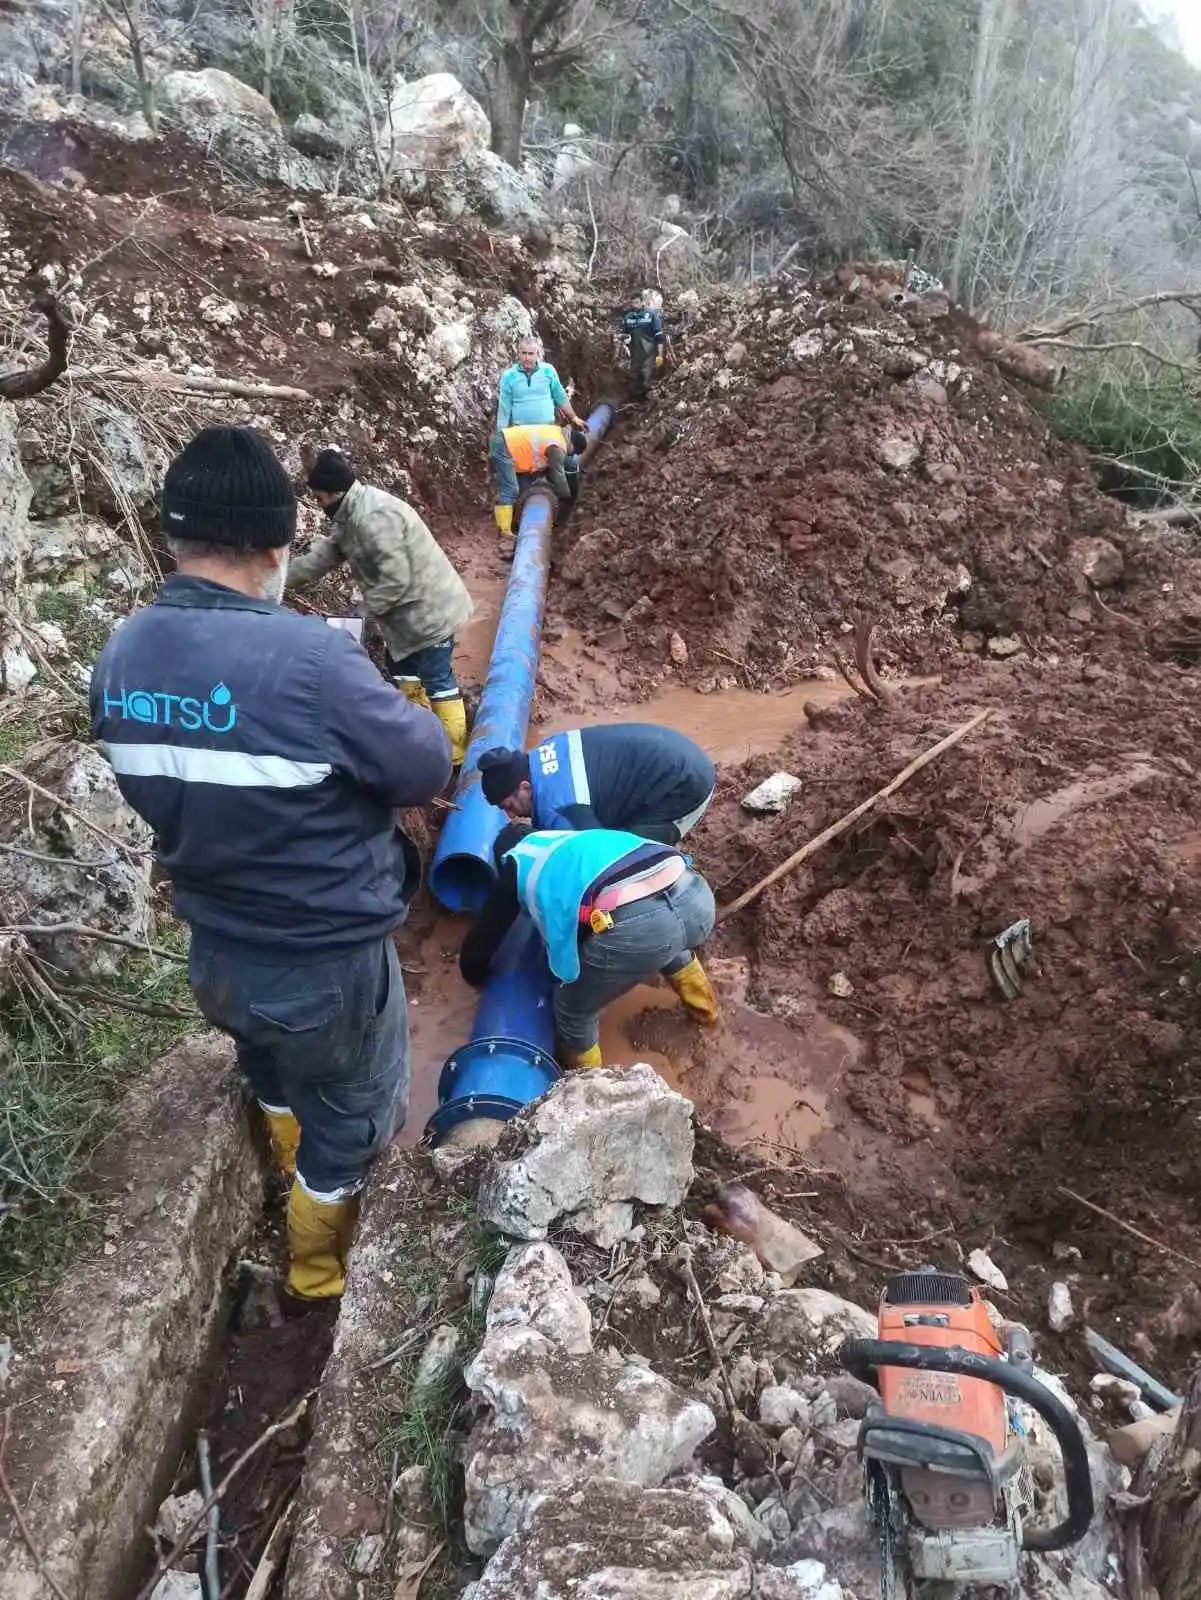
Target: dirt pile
{"points": [[816, 454]]}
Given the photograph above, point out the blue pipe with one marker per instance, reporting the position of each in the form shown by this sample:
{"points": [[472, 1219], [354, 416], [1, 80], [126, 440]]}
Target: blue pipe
{"points": [[509, 1059], [463, 870]]}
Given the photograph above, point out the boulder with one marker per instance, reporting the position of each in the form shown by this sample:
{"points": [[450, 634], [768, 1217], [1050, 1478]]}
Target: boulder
{"points": [[436, 124], [534, 1290], [449, 344], [52, 883], [797, 1319], [1098, 562], [583, 1152], [312, 137], [16, 492], [76, 545], [604, 1539], [214, 99]]}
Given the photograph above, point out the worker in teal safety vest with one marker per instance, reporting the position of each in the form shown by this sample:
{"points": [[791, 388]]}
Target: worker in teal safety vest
{"points": [[613, 910]]}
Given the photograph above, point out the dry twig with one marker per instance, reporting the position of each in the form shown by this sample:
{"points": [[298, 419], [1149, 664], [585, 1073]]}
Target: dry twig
{"points": [[81, 930], [1128, 1227]]}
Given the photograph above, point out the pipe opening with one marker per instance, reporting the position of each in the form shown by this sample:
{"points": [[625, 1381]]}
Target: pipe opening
{"points": [[462, 882]]}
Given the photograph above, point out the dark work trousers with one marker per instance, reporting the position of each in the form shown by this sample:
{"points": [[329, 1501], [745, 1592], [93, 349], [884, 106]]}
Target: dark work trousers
{"points": [[642, 363], [328, 1040]]}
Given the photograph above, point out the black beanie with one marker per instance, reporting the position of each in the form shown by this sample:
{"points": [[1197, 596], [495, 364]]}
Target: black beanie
{"points": [[331, 472], [508, 836], [227, 487], [501, 771]]}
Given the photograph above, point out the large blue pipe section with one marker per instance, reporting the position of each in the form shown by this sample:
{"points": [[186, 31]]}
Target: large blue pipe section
{"points": [[463, 870], [509, 1059]]}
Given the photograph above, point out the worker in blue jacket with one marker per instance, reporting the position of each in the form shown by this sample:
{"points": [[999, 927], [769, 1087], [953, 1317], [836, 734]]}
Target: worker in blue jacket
{"points": [[613, 910], [642, 325], [269, 756], [531, 397], [638, 778]]}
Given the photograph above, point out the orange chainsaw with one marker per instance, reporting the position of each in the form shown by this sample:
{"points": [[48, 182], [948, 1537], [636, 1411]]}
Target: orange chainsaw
{"points": [[944, 1449]]}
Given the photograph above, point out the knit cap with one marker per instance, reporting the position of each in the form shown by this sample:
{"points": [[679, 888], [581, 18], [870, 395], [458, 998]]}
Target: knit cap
{"points": [[331, 473], [227, 487], [501, 771]]}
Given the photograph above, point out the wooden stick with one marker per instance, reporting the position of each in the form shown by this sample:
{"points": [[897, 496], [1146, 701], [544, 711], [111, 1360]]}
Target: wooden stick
{"points": [[1156, 1244], [47, 1577], [843, 823], [187, 384], [273, 1553], [80, 930], [212, 1532]]}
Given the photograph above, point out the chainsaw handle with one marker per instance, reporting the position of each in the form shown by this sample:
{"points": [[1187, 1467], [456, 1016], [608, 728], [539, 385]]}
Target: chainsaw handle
{"points": [[862, 1358]]}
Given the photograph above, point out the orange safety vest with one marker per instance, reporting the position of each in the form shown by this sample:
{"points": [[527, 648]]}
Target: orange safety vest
{"points": [[528, 445]]}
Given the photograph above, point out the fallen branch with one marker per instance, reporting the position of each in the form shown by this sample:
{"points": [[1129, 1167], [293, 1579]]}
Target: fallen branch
{"points": [[1128, 1227], [65, 805], [47, 1578], [867, 667], [1090, 317], [836, 829], [684, 1257], [212, 1572], [840, 661], [81, 930], [24, 385], [273, 1554], [181, 1544], [183, 383], [1189, 368]]}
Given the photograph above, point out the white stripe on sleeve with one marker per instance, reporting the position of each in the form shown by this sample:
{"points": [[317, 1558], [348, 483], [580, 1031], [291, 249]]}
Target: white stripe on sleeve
{"points": [[229, 769]]}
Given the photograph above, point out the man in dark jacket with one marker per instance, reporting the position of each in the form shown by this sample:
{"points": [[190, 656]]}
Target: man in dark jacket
{"points": [[643, 327], [636, 777], [269, 757]]}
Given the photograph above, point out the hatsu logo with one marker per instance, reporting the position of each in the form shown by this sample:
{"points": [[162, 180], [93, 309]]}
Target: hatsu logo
{"points": [[218, 713]]}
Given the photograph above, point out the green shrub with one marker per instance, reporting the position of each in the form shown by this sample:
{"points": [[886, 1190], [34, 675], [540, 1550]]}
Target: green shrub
{"points": [[1144, 431]]}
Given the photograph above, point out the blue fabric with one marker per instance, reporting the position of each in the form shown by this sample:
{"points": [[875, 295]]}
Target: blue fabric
{"points": [[643, 324], [529, 397], [269, 756], [554, 873], [434, 666], [503, 471], [559, 779], [636, 776], [328, 1040]]}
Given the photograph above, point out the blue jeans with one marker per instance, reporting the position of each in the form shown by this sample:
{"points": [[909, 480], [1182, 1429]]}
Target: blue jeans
{"points": [[657, 934], [329, 1041], [508, 486], [433, 665]]}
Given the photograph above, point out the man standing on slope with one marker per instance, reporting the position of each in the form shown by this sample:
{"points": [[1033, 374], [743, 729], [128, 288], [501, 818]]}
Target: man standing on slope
{"points": [[269, 757], [642, 325], [638, 778], [408, 584], [527, 438], [613, 910]]}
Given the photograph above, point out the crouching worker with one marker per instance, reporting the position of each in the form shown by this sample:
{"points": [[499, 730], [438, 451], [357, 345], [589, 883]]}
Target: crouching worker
{"points": [[268, 755], [613, 909], [409, 586], [533, 451]]}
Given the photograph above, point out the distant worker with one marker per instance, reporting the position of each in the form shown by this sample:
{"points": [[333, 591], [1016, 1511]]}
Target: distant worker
{"points": [[408, 584], [637, 776], [269, 757], [613, 909], [530, 400], [642, 325]]}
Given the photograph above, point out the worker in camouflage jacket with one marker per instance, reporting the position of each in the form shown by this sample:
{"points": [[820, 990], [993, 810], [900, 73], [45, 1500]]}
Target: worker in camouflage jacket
{"points": [[409, 586]]}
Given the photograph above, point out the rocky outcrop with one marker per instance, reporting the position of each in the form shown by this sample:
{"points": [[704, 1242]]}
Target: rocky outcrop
{"points": [[16, 492], [584, 1152], [555, 1411], [225, 112], [435, 124]]}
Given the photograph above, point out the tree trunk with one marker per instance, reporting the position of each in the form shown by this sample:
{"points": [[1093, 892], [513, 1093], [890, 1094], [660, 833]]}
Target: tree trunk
{"points": [[78, 18], [509, 92], [1173, 1519], [145, 87]]}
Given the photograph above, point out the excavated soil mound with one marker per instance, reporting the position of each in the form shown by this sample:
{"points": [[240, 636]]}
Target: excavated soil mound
{"points": [[816, 455]]}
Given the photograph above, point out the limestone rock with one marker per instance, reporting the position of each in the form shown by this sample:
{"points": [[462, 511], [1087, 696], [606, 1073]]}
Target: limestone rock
{"points": [[534, 1290], [897, 452], [597, 1140], [450, 344], [16, 492], [178, 1585], [75, 544], [1098, 561], [214, 99], [1060, 1311], [773, 794], [781, 1407], [606, 1540], [797, 1318], [981, 1265], [436, 124], [552, 1416]]}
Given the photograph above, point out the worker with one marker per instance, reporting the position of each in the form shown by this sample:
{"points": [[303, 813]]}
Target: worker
{"points": [[531, 397], [642, 325], [636, 776], [269, 756], [409, 586], [613, 910]]}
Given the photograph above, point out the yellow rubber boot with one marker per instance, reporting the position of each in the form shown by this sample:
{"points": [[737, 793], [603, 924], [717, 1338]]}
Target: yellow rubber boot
{"points": [[414, 692], [504, 518], [319, 1234], [452, 714], [284, 1132], [692, 985], [573, 1060]]}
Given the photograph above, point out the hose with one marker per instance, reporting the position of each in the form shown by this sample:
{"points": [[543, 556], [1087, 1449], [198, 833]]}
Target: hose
{"points": [[862, 1358]]}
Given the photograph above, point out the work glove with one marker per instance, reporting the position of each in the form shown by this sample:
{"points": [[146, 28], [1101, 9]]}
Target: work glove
{"points": [[659, 361]]}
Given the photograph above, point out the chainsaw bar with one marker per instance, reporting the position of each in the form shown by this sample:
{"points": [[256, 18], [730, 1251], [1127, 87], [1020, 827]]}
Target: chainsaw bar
{"points": [[1010, 953]]}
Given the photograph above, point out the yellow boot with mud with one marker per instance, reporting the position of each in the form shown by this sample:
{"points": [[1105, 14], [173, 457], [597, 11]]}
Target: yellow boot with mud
{"points": [[452, 714], [319, 1234], [692, 985], [575, 1060], [414, 692], [503, 516], [284, 1133]]}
